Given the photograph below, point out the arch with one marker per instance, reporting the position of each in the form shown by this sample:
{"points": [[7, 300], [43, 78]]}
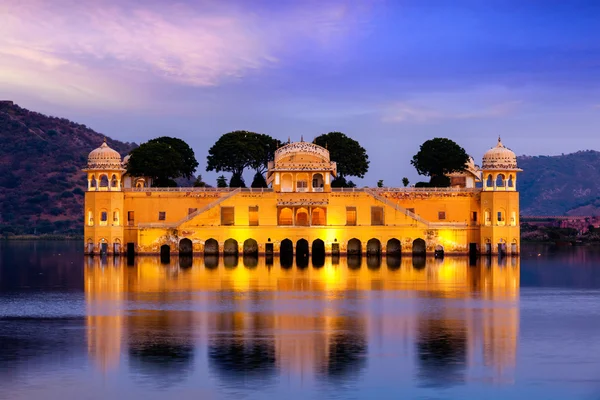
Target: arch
{"points": [[419, 247], [230, 247], [287, 183], [318, 253], [211, 247], [302, 248], [511, 181], [103, 180], [94, 182], [140, 183], [117, 246], [317, 182], [165, 254], [287, 247], [185, 246], [103, 217], [250, 247], [500, 181], [490, 181], [318, 248], [513, 218], [90, 217], [501, 217], [354, 247], [318, 216], [286, 216], [90, 246], [302, 217], [373, 247], [487, 217], [393, 247], [439, 251], [116, 217], [113, 181], [514, 247], [302, 182]]}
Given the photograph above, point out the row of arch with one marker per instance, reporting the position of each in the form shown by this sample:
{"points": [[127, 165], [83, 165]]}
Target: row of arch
{"points": [[104, 218], [500, 181], [303, 247], [104, 181]]}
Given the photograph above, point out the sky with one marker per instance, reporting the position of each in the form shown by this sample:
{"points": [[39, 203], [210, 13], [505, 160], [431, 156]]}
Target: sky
{"points": [[390, 74]]}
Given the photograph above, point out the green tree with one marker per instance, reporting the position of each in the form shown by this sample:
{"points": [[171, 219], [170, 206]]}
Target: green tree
{"points": [[185, 151], [405, 181], [259, 181], [380, 183], [199, 182], [237, 181], [235, 151], [221, 181], [341, 182], [350, 156], [157, 160], [439, 157]]}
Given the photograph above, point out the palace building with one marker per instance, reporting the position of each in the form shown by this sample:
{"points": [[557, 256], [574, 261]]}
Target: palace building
{"points": [[300, 213]]}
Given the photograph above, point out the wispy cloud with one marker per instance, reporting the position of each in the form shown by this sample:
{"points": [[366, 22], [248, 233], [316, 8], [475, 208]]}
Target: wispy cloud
{"points": [[201, 44], [404, 112]]}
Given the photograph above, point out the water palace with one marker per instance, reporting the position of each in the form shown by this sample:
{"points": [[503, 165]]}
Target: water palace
{"points": [[300, 213]]}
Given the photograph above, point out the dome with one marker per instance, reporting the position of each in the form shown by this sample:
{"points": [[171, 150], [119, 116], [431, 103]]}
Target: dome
{"points": [[104, 158], [499, 157]]}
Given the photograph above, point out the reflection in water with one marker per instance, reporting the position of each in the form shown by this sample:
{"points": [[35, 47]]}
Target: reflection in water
{"points": [[260, 321]]}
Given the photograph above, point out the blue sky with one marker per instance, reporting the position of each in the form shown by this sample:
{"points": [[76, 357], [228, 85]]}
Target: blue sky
{"points": [[390, 74]]}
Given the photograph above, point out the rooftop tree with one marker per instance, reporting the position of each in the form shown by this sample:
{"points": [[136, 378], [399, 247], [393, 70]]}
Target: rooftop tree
{"points": [[350, 156], [439, 157]]}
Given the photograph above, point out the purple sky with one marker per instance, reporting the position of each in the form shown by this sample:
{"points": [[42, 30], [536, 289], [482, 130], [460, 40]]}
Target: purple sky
{"points": [[390, 74]]}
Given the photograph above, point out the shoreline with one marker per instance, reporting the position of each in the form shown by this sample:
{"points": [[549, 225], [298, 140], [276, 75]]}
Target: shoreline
{"points": [[42, 237]]}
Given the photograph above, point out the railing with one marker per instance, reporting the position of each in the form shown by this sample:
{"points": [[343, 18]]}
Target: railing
{"points": [[397, 207], [427, 189], [197, 189]]}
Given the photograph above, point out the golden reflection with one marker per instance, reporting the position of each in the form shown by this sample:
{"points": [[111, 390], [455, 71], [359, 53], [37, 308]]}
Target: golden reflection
{"points": [[456, 313]]}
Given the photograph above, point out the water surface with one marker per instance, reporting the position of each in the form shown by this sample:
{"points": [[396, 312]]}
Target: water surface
{"points": [[95, 328]]}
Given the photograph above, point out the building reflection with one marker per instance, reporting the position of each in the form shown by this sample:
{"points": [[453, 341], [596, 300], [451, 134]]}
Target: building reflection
{"points": [[259, 319]]}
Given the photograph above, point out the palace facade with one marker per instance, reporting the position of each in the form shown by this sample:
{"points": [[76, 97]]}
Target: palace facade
{"points": [[301, 213]]}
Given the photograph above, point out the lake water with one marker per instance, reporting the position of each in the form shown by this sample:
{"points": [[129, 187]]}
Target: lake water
{"points": [[92, 328]]}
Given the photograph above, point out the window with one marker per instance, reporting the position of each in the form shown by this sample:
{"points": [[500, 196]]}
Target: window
{"points": [[192, 210], [162, 215], [90, 218], [301, 186], [116, 218], [513, 218], [351, 216], [474, 216], [286, 216], [318, 216], [441, 215], [488, 217], [253, 215], [103, 218], [130, 217], [501, 219], [376, 215], [227, 216]]}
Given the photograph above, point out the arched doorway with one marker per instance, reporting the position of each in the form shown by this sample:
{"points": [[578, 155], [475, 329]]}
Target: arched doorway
{"points": [[317, 182], [117, 246], [286, 216], [354, 247], [439, 251], [287, 184], [287, 247], [250, 247], [230, 247], [373, 247], [302, 217], [185, 247], [393, 248], [419, 247], [302, 249], [318, 216], [318, 253], [165, 254], [211, 247]]}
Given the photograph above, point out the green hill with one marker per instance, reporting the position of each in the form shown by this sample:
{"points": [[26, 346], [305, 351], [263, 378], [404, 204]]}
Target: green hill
{"points": [[560, 185], [41, 183]]}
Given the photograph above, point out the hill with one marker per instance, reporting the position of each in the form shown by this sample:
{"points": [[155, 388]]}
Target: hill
{"points": [[41, 183], [560, 185]]}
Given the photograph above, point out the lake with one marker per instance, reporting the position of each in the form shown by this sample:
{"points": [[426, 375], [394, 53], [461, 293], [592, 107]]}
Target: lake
{"points": [[94, 328]]}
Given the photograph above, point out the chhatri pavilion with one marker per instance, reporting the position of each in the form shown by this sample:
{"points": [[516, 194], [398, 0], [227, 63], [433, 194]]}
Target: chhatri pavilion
{"points": [[300, 213]]}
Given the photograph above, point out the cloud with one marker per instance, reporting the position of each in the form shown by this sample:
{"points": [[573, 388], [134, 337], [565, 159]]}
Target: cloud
{"points": [[202, 44]]}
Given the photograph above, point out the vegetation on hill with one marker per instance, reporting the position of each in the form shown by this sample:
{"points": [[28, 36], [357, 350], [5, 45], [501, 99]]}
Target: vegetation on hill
{"points": [[41, 183], [560, 185]]}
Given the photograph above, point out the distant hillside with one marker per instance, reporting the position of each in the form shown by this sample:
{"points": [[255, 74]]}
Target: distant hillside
{"points": [[560, 185], [41, 183]]}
